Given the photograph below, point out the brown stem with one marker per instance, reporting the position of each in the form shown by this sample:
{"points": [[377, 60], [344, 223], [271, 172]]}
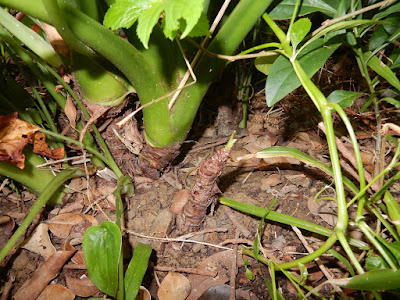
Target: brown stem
{"points": [[204, 188]]}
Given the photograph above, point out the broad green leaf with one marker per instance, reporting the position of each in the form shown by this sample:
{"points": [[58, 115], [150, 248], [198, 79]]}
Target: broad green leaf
{"points": [[385, 279], [284, 9], [147, 20], [299, 31], [136, 270], [378, 38], [343, 98], [282, 79], [373, 262], [202, 28], [101, 248], [179, 15], [375, 64], [124, 13], [264, 63]]}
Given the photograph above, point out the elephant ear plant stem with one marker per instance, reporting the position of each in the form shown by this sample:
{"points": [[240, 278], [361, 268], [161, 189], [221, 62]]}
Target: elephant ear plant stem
{"points": [[149, 71]]}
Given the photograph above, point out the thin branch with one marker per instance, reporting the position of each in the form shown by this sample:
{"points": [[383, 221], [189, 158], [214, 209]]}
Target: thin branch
{"points": [[328, 23]]}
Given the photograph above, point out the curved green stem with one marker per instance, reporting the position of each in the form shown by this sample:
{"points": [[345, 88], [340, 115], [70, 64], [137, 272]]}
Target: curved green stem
{"points": [[343, 241], [57, 19]]}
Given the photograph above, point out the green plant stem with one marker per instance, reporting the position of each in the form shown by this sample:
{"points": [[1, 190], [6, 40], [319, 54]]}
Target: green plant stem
{"points": [[343, 240], [44, 197], [385, 222], [57, 19], [295, 263], [357, 154], [285, 219], [378, 246], [362, 64]]}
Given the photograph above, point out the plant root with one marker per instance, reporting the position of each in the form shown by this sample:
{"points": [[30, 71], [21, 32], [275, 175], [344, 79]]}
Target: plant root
{"points": [[204, 189]]}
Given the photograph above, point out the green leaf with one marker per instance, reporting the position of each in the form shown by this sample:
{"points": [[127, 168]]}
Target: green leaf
{"points": [[343, 98], [136, 270], [385, 279], [202, 28], [101, 248], [394, 102], [179, 15], [375, 64], [264, 63], [299, 31], [282, 79], [284, 9], [124, 13], [373, 262]]}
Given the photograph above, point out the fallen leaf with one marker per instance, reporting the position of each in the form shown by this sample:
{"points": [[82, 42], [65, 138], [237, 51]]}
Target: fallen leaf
{"points": [[144, 294], [71, 225], [43, 275], [70, 111], [40, 147], [179, 201], [14, 136], [55, 39], [8, 225], [78, 258], [299, 180], [326, 209], [271, 180], [39, 242], [56, 291], [221, 263], [82, 287], [175, 286]]}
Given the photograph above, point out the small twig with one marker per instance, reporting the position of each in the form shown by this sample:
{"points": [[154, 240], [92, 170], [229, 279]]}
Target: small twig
{"points": [[75, 267], [237, 241], [317, 260], [232, 218], [328, 23], [201, 232], [63, 160], [168, 240], [3, 184], [186, 270]]}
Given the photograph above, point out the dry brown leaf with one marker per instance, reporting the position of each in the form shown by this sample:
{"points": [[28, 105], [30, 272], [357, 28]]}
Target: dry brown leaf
{"points": [[14, 136], [40, 147], [326, 209], [179, 201], [56, 291], [175, 286], [70, 111], [299, 180], [220, 262], [144, 294], [78, 258], [43, 275], [40, 242], [82, 287], [8, 225], [71, 225], [271, 180], [55, 39]]}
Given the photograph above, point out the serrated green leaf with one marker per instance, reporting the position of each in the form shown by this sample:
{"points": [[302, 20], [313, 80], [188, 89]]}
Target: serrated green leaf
{"points": [[299, 31], [284, 9], [264, 63], [282, 79], [187, 10], [146, 22], [124, 13], [136, 270], [202, 28], [343, 98], [375, 64], [101, 248]]}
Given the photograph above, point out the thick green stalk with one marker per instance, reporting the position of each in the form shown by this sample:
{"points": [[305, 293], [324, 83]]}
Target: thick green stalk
{"points": [[238, 25], [44, 197]]}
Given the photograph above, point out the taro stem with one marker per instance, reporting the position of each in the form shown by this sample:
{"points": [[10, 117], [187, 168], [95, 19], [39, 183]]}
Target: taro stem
{"points": [[204, 187]]}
